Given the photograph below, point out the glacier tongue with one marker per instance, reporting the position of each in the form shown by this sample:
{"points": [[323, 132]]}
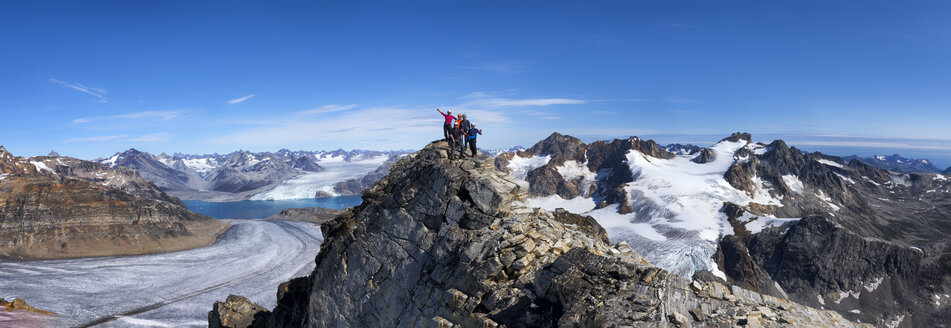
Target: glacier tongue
{"points": [[307, 185], [169, 289]]}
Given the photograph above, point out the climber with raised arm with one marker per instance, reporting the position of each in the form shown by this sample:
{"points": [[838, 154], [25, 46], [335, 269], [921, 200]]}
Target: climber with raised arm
{"points": [[446, 126]]}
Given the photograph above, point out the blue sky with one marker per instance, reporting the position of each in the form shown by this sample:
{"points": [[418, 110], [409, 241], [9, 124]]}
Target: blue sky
{"points": [[95, 77]]}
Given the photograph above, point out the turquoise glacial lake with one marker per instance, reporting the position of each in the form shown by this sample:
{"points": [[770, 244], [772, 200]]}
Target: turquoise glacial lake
{"points": [[260, 209]]}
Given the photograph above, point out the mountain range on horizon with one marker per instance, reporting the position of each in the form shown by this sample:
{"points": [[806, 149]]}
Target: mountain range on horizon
{"points": [[248, 175]]}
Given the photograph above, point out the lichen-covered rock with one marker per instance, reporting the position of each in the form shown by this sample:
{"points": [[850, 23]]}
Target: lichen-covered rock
{"points": [[442, 243], [20, 305], [237, 312]]}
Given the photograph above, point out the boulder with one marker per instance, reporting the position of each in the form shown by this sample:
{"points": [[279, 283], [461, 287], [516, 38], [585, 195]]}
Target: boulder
{"points": [[237, 312]]}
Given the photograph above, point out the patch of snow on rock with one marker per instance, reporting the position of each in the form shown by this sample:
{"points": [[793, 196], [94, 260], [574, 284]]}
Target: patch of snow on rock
{"points": [[755, 226], [111, 161], [42, 166], [843, 295], [829, 163], [575, 205], [845, 178], [896, 322], [793, 183], [572, 170], [200, 165], [519, 166]]}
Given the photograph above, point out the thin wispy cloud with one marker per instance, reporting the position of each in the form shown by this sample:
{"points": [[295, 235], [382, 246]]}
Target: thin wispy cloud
{"points": [[486, 100], [162, 115], [96, 138], [327, 109], [394, 126], [240, 100], [154, 137], [350, 128], [95, 92]]}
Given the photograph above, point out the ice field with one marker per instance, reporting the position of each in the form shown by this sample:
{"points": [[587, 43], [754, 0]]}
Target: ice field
{"points": [[164, 290]]}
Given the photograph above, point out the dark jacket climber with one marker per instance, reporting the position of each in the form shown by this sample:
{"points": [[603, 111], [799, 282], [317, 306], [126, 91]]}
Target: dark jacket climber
{"points": [[456, 142], [473, 132], [465, 126]]}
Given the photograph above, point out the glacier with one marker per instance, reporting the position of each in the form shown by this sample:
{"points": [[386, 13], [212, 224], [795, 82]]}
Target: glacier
{"points": [[165, 290], [335, 170]]}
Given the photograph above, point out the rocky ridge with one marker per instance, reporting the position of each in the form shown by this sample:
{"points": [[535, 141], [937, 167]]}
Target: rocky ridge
{"points": [[440, 243], [61, 207]]}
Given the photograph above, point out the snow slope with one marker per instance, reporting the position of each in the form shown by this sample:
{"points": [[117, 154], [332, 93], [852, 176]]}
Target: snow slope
{"points": [[677, 220], [167, 290]]}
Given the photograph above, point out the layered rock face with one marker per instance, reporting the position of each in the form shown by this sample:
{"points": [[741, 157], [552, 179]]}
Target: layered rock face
{"points": [[440, 243], [60, 207]]}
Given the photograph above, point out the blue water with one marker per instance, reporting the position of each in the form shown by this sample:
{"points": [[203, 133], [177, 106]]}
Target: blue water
{"points": [[260, 209]]}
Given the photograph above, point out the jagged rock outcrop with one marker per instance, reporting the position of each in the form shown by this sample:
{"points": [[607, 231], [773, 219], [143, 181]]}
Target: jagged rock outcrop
{"points": [[706, 155], [61, 207], [307, 214], [20, 305], [681, 149], [739, 136], [237, 312], [152, 168], [560, 147], [440, 243], [545, 181], [306, 163]]}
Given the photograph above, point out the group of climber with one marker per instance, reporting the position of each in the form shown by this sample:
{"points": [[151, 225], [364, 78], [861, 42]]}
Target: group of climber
{"points": [[459, 132]]}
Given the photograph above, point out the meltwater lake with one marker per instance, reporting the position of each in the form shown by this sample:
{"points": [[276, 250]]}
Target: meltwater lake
{"points": [[261, 209]]}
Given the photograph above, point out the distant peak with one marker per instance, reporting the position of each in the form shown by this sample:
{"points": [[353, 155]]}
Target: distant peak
{"points": [[737, 136]]}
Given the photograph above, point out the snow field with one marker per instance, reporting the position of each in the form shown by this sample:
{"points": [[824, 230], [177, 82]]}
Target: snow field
{"points": [[677, 219]]}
